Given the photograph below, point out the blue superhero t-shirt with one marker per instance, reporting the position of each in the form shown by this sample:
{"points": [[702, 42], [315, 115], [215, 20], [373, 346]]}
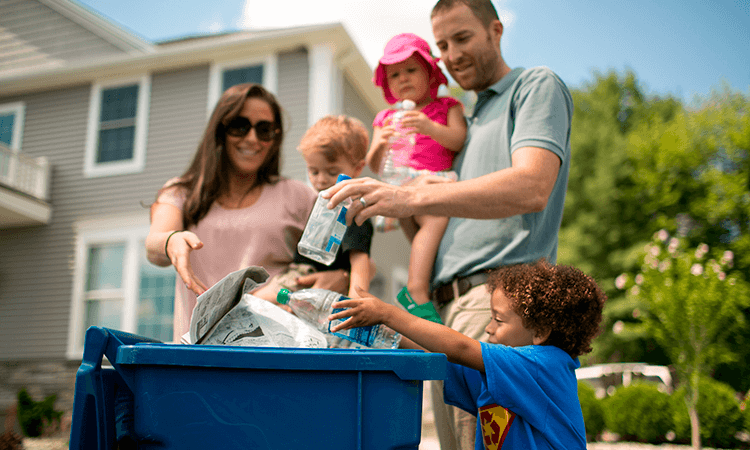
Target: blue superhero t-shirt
{"points": [[527, 398]]}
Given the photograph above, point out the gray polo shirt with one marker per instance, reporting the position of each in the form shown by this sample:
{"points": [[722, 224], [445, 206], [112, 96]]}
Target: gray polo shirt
{"points": [[525, 108]]}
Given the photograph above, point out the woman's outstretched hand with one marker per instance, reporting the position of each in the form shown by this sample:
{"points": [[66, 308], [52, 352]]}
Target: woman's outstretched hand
{"points": [[178, 249]]}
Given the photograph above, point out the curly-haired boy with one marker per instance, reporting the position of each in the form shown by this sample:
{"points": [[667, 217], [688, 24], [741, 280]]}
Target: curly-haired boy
{"points": [[522, 384]]}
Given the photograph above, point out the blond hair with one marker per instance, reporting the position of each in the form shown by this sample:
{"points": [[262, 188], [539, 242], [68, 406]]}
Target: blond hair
{"points": [[336, 137]]}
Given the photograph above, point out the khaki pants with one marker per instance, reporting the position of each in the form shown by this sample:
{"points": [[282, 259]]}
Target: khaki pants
{"points": [[468, 314]]}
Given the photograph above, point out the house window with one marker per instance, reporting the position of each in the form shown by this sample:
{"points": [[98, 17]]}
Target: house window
{"points": [[11, 124], [226, 74], [119, 288], [104, 295], [11, 128], [118, 120], [251, 74], [117, 124], [155, 300]]}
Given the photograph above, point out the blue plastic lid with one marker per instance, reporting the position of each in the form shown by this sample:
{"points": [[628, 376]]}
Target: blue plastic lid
{"points": [[343, 177]]}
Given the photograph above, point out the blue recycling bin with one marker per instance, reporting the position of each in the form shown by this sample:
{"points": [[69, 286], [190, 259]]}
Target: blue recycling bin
{"points": [[201, 397]]}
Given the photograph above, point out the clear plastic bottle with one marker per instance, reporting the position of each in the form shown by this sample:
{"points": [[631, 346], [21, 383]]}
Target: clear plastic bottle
{"points": [[400, 148], [324, 230], [315, 305]]}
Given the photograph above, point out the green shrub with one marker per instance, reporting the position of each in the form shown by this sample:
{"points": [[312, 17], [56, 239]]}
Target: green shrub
{"points": [[639, 412], [719, 414], [33, 416], [593, 411]]}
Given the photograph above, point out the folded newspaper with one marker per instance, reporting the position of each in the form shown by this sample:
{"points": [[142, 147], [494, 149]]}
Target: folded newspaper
{"points": [[227, 314]]}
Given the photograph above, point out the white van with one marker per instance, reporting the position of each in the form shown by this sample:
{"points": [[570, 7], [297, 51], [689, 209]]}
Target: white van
{"points": [[605, 378]]}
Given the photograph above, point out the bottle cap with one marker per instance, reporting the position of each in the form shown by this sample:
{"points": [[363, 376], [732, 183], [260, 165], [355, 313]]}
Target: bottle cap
{"points": [[408, 104], [283, 296], [343, 177]]}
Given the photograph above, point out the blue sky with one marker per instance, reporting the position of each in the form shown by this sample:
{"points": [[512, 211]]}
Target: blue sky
{"points": [[679, 47]]}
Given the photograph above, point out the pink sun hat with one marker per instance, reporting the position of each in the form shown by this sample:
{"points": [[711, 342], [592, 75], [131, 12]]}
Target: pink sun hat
{"points": [[400, 48]]}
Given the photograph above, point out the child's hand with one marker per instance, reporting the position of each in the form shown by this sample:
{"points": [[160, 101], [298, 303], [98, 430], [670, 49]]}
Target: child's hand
{"points": [[363, 311], [386, 132], [419, 122]]}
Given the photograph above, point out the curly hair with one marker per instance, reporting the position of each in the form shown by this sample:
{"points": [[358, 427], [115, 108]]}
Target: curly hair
{"points": [[559, 299], [336, 136]]}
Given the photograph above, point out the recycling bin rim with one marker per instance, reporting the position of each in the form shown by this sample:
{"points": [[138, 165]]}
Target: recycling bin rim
{"points": [[406, 364]]}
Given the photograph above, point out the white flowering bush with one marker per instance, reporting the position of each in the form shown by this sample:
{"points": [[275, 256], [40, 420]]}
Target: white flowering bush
{"points": [[692, 301]]}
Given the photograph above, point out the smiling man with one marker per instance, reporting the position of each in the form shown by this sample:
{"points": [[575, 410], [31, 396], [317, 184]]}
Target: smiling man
{"points": [[513, 171], [519, 147]]}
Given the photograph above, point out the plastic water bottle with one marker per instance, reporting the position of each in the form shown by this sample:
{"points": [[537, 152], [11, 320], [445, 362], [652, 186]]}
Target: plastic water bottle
{"points": [[325, 229], [401, 145], [315, 305]]}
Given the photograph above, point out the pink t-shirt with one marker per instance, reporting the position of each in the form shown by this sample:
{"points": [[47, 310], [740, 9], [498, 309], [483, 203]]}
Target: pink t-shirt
{"points": [[264, 234], [428, 154]]}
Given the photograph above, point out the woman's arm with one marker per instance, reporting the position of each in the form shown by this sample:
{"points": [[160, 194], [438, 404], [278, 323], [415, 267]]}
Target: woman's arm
{"points": [[333, 280], [166, 219]]}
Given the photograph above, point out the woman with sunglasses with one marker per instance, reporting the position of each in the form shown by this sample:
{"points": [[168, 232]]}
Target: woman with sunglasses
{"points": [[231, 208]]}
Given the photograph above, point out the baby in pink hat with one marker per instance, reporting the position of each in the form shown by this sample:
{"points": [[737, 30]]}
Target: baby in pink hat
{"points": [[408, 71]]}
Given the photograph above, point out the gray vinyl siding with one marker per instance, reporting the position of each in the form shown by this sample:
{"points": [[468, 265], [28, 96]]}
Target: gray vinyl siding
{"points": [[293, 94], [36, 270], [37, 264], [355, 106], [177, 119], [32, 34]]}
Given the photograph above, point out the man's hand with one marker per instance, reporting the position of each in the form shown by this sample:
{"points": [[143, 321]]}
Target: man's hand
{"points": [[381, 199]]}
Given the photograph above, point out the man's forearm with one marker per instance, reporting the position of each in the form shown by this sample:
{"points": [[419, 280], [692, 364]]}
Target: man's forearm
{"points": [[497, 195]]}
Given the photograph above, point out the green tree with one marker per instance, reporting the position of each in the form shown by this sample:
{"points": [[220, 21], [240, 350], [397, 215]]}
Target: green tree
{"points": [[692, 303], [642, 163], [692, 177], [603, 227]]}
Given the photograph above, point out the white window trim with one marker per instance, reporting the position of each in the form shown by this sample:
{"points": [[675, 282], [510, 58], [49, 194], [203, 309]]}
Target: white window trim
{"points": [[216, 71], [93, 169], [19, 108], [131, 231]]}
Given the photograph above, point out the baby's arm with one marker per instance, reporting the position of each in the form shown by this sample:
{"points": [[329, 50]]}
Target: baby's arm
{"points": [[369, 310], [360, 274], [450, 136], [378, 147]]}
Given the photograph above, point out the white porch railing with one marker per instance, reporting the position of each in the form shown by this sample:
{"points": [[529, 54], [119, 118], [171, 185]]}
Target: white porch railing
{"points": [[24, 174]]}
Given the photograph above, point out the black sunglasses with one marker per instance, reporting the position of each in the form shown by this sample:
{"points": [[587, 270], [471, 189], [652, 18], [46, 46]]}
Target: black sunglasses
{"points": [[239, 127]]}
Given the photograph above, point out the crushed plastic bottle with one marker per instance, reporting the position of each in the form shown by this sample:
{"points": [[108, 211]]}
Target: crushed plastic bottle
{"points": [[315, 305], [325, 229]]}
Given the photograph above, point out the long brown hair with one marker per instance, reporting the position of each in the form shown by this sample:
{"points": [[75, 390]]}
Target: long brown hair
{"points": [[207, 176]]}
